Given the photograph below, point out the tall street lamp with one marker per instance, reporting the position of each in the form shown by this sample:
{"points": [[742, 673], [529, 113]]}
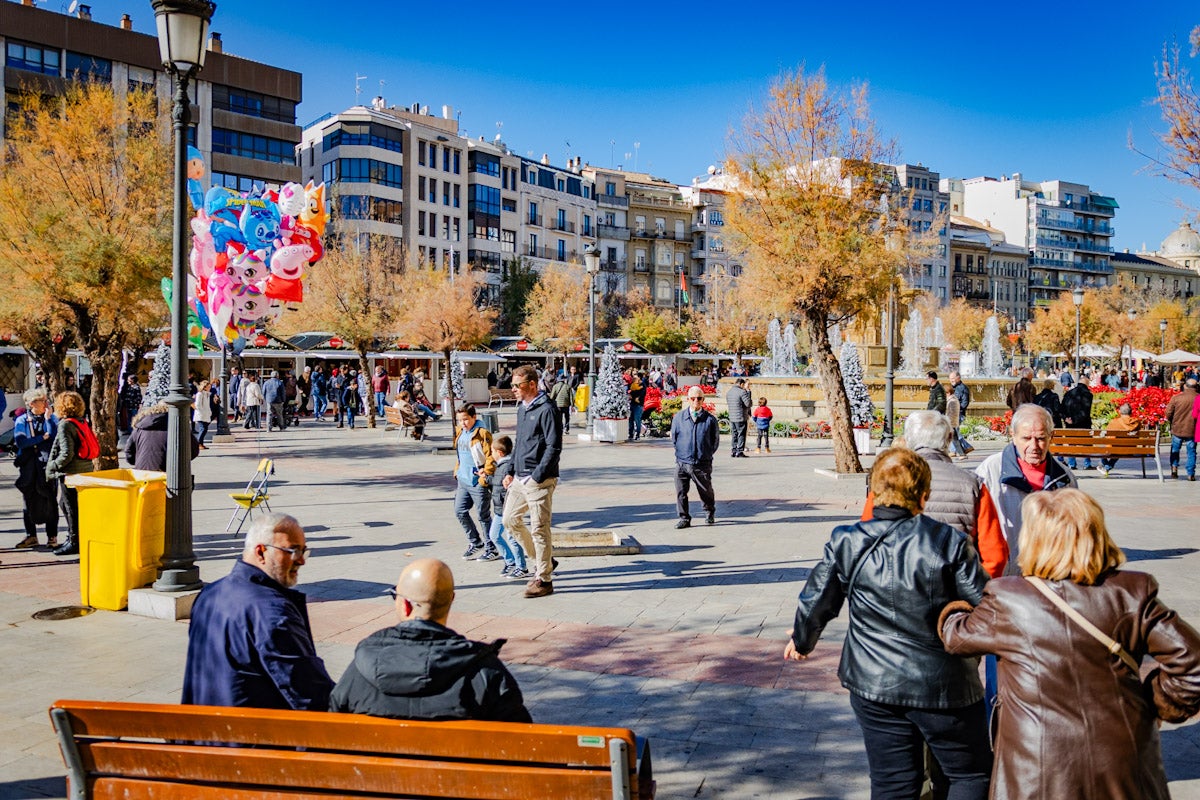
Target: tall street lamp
{"points": [[223, 433], [889, 377], [1077, 299], [591, 261], [1162, 330], [1132, 314], [182, 34]]}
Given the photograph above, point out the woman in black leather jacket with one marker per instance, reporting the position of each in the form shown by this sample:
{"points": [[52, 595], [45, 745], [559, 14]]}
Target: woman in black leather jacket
{"points": [[898, 570]]}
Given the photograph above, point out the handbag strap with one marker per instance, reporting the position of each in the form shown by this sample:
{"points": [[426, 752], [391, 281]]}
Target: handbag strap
{"points": [[1109, 643]]}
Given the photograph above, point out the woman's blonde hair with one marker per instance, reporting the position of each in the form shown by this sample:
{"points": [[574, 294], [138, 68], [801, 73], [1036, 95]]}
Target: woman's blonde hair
{"points": [[69, 404], [901, 478], [37, 393], [1063, 537]]}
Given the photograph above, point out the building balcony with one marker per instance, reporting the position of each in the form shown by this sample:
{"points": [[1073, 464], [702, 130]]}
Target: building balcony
{"points": [[612, 200], [1067, 244], [1101, 266], [660, 202], [1084, 226], [655, 233], [535, 219], [1088, 207], [551, 254], [618, 232], [641, 266], [563, 225], [613, 265], [699, 253]]}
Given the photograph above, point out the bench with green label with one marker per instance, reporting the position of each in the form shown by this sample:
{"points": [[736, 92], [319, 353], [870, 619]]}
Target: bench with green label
{"points": [[140, 751], [1088, 443]]}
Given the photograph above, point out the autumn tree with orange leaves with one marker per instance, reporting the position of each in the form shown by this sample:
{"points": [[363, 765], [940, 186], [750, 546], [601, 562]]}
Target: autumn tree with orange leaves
{"points": [[556, 309], [819, 218]]}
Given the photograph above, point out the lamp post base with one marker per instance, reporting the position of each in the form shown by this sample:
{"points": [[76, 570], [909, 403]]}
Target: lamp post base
{"points": [[178, 580], [224, 438]]}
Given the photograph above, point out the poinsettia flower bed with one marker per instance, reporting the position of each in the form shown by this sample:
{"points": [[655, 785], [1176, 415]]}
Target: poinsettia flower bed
{"points": [[1149, 405]]}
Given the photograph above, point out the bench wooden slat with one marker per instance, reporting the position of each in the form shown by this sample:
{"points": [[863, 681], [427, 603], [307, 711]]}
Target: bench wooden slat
{"points": [[248, 768], [135, 789]]}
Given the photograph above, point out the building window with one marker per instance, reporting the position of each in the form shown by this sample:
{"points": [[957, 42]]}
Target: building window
{"points": [[445, 193], [562, 250], [261, 148], [510, 205], [362, 133], [445, 159], [432, 190], [485, 164], [457, 198], [587, 225], [420, 186], [420, 223], [31, 58], [88, 67], [508, 241], [421, 153], [560, 185], [253, 104], [239, 183], [534, 219], [367, 170], [433, 155], [373, 208], [457, 162], [610, 188]]}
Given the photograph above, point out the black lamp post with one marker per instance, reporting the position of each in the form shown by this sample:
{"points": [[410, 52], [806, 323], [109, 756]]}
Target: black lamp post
{"points": [[889, 377], [591, 261], [182, 35], [1162, 330], [1077, 299]]}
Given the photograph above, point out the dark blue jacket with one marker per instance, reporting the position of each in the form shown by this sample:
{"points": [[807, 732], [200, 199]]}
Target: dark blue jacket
{"points": [[250, 644], [273, 392], [695, 441], [538, 442]]}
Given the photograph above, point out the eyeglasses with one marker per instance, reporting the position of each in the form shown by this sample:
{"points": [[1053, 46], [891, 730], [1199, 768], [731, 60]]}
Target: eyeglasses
{"points": [[392, 593], [530, 380], [696, 398], [302, 551]]}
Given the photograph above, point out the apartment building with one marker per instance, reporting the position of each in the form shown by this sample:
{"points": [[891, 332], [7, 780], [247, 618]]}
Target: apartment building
{"points": [[927, 214], [493, 197], [660, 239], [986, 270], [556, 212], [612, 229], [395, 171], [243, 112], [1154, 276], [1181, 247], [715, 268], [1066, 226]]}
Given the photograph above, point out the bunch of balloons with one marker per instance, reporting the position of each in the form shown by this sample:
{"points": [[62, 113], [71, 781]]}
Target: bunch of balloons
{"points": [[250, 253]]}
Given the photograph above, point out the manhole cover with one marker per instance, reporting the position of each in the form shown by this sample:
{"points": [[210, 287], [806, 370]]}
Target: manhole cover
{"points": [[64, 612]]}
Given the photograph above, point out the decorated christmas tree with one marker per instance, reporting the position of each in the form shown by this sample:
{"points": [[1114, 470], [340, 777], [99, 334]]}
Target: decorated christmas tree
{"points": [[457, 378], [612, 396], [159, 383], [862, 410]]}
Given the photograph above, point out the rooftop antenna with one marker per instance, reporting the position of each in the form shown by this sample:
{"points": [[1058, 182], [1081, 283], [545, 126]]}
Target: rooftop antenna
{"points": [[567, 152], [358, 79], [636, 145]]}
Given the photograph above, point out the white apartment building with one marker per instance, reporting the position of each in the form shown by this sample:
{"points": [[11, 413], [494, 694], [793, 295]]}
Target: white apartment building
{"points": [[927, 213], [395, 171], [556, 212], [612, 229], [715, 268], [1066, 226], [492, 219]]}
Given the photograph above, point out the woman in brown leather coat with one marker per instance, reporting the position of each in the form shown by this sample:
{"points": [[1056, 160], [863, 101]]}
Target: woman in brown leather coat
{"points": [[1071, 719]]}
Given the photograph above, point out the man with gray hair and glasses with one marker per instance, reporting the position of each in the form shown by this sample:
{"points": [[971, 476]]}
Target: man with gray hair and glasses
{"points": [[249, 643]]}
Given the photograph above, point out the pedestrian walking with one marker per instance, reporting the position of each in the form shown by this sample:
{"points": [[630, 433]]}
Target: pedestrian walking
{"points": [[1183, 429], [1023, 392], [252, 401], [235, 388], [130, 401], [304, 384], [896, 571], [320, 390], [937, 393], [202, 404], [562, 396], [1047, 398], [637, 402], [1076, 410], [537, 448], [337, 384], [380, 385], [738, 402], [1070, 633], [273, 398], [762, 423], [473, 470], [34, 434], [147, 446], [696, 438], [350, 400], [963, 393], [508, 547]]}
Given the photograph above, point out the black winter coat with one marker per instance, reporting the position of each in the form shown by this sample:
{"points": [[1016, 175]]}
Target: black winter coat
{"points": [[422, 670], [1077, 406], [893, 653], [1048, 400], [147, 447]]}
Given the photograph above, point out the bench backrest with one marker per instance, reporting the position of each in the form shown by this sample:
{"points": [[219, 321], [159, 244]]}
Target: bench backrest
{"points": [[1084, 441], [137, 750]]}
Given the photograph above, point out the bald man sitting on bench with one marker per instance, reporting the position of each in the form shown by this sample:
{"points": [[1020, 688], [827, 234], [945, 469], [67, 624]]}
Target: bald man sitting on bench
{"points": [[421, 669]]}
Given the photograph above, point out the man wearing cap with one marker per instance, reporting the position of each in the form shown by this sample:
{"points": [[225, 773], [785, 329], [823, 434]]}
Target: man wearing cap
{"points": [[740, 405], [696, 438], [421, 669]]}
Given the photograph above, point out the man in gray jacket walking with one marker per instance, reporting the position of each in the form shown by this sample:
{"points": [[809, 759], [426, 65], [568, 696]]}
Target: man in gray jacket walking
{"points": [[739, 404]]}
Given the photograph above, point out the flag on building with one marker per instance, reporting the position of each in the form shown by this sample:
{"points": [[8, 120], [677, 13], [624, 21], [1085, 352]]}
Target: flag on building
{"points": [[683, 292]]}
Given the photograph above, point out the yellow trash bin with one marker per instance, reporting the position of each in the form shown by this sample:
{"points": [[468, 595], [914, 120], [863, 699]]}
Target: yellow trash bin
{"points": [[122, 514]]}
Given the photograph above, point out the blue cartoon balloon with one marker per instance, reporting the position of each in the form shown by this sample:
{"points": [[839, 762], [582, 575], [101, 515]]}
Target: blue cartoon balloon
{"points": [[195, 174]]}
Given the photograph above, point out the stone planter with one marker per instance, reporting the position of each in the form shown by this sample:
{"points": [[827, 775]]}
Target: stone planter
{"points": [[862, 441], [607, 430]]}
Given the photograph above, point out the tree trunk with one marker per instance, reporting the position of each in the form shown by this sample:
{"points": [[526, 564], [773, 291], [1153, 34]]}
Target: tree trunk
{"points": [[450, 386], [364, 369], [845, 454], [106, 367]]}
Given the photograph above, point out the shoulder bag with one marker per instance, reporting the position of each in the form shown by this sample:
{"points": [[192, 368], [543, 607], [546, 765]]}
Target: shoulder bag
{"points": [[1109, 643]]}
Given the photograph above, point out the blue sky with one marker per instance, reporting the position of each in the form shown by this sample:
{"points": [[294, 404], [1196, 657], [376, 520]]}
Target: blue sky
{"points": [[1051, 90]]}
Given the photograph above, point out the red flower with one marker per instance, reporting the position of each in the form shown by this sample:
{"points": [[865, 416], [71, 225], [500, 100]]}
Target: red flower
{"points": [[1148, 405]]}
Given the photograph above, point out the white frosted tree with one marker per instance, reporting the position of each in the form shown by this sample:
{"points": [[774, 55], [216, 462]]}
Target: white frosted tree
{"points": [[862, 410], [612, 395], [158, 384], [457, 379]]}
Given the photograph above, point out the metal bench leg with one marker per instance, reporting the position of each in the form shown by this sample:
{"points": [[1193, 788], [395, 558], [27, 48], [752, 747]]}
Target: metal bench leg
{"points": [[76, 774], [618, 758]]}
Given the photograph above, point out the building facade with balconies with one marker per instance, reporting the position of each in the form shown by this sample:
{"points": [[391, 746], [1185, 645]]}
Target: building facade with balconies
{"points": [[612, 229], [1155, 276], [556, 213], [715, 267], [660, 238], [493, 192], [243, 112], [399, 172], [1066, 227], [987, 271], [927, 217]]}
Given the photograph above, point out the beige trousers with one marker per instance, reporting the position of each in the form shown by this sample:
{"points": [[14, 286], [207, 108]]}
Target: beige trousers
{"points": [[535, 499]]}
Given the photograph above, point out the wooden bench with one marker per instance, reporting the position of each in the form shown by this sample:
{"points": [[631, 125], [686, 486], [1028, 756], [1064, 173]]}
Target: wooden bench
{"points": [[415, 426], [1088, 443], [501, 396], [139, 751]]}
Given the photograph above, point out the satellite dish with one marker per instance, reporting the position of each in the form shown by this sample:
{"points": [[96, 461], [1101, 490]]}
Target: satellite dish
{"points": [[71, 8]]}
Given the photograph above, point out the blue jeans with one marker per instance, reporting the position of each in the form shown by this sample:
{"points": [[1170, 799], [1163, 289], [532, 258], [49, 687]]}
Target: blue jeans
{"points": [[1087, 462], [894, 737], [505, 544], [380, 403], [466, 497], [425, 410], [349, 414], [635, 422], [1176, 443]]}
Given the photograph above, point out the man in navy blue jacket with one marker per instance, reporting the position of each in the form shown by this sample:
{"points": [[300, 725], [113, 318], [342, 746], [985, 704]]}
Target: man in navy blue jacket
{"points": [[250, 643], [537, 447], [695, 436]]}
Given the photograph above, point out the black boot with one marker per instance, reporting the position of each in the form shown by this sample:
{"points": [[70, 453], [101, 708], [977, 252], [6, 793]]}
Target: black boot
{"points": [[68, 548]]}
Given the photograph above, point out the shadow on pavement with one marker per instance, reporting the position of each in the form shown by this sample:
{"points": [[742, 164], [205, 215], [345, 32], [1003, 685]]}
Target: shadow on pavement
{"points": [[34, 787], [670, 575], [344, 589], [1134, 554]]}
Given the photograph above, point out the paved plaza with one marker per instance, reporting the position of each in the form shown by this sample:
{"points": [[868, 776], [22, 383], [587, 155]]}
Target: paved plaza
{"points": [[682, 643]]}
